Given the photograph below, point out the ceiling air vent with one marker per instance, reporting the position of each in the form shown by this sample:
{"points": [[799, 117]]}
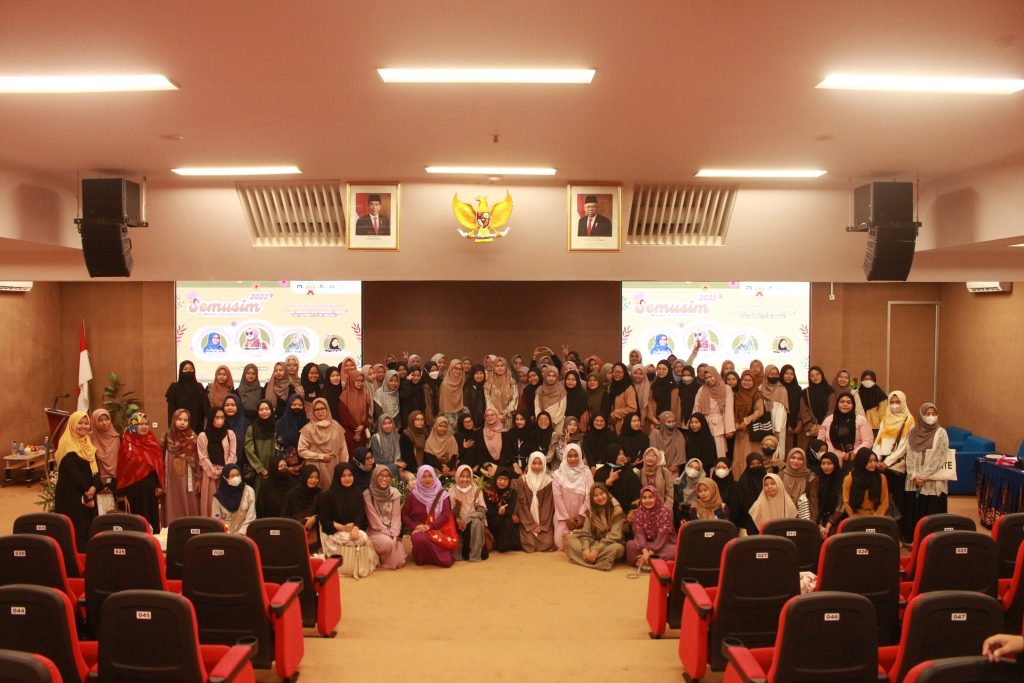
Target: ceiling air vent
{"points": [[301, 214], [682, 215]]}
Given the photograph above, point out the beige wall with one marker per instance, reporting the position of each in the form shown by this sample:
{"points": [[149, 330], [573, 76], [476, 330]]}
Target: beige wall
{"points": [[130, 327]]}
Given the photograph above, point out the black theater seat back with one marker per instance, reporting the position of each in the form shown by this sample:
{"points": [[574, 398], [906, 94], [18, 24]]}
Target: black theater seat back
{"points": [[698, 556], [58, 527], [117, 561], [958, 560], [867, 564], [872, 524], [284, 555], [19, 667], [179, 532], [804, 533], [1009, 534], [118, 521], [222, 579], [27, 558], [40, 620], [148, 636]]}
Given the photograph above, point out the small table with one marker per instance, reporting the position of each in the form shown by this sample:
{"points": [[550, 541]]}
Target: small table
{"points": [[1000, 491], [27, 462]]}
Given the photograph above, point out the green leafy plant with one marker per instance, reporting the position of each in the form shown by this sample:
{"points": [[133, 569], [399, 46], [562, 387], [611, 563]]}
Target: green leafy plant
{"points": [[120, 403], [45, 499]]}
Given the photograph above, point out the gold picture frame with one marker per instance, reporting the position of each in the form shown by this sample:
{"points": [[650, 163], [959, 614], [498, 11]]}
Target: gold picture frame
{"points": [[368, 227], [601, 231]]}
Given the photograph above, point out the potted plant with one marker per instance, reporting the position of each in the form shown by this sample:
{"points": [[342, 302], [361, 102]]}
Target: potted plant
{"points": [[119, 403]]}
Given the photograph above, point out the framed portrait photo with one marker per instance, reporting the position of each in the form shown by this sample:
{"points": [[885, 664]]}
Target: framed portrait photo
{"points": [[371, 216], [595, 217]]}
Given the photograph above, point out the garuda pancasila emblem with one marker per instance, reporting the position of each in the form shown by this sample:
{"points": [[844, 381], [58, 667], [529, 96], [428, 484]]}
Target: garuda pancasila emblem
{"points": [[483, 224]]}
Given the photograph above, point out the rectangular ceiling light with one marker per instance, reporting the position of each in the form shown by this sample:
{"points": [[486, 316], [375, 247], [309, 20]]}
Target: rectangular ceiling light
{"points": [[237, 170], [85, 84], [969, 86], [486, 75], [759, 173], [489, 170]]}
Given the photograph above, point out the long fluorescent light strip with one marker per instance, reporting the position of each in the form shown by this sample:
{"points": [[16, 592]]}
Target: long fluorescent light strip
{"points": [[402, 75], [238, 170], [969, 86], [489, 170], [85, 84], [759, 173]]}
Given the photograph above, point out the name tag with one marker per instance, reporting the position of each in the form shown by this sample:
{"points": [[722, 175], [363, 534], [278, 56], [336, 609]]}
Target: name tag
{"points": [[119, 551], [217, 552], [961, 551], [144, 615], [831, 616], [958, 616], [760, 556], [863, 551], [275, 532], [18, 611]]}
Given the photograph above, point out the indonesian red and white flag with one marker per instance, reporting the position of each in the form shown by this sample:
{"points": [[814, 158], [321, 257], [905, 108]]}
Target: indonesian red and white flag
{"points": [[84, 371]]}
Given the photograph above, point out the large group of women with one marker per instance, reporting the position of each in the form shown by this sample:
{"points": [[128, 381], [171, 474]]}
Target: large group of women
{"points": [[552, 452]]}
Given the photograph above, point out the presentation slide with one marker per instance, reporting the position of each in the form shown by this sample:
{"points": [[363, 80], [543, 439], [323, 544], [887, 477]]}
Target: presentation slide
{"points": [[739, 321], [237, 323]]}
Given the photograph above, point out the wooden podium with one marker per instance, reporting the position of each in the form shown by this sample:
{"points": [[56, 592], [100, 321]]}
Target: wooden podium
{"points": [[57, 421]]}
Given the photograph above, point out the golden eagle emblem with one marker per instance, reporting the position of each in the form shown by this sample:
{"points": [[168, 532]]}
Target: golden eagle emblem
{"points": [[483, 224]]}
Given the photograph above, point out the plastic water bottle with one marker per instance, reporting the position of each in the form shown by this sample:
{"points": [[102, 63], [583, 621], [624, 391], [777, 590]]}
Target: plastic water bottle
{"points": [[14, 448]]}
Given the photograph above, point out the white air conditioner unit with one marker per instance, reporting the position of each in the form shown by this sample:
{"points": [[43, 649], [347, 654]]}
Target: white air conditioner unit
{"points": [[15, 286], [988, 287]]}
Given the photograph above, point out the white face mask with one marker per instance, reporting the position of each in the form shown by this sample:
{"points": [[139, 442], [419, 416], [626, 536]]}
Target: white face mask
{"points": [[895, 408], [930, 419], [868, 383], [235, 481], [686, 379], [433, 374], [692, 472], [721, 472]]}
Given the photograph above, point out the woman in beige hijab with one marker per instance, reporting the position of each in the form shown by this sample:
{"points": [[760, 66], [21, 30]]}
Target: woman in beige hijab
{"points": [[322, 443]]}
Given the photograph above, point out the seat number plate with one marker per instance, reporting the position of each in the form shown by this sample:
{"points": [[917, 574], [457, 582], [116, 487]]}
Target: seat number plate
{"points": [[760, 556], [863, 551], [217, 552], [831, 616], [120, 551], [275, 532], [961, 551], [18, 611], [144, 614], [958, 616]]}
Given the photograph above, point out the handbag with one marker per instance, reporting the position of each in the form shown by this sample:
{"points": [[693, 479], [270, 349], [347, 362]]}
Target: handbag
{"points": [[761, 427], [947, 471], [803, 507], [448, 535]]}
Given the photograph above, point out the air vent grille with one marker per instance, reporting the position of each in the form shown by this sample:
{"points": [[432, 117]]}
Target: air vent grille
{"points": [[300, 214], [681, 215]]}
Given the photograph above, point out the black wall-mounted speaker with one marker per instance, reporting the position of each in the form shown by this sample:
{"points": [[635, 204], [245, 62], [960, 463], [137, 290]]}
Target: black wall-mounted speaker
{"points": [[107, 250], [890, 252], [111, 201]]}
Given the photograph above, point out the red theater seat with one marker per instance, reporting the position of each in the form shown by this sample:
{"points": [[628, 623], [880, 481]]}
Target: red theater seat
{"points": [[807, 648], [804, 533], [37, 560], [41, 621], [699, 546], [59, 528], [872, 524], [926, 526], [964, 669], [225, 584], [759, 574], [284, 555], [955, 560], [19, 667], [119, 521], [152, 636], [1008, 533], [179, 532]]}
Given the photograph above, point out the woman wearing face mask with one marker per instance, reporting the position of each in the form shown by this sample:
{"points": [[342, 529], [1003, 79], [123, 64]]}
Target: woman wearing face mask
{"points": [[189, 394], [748, 490], [216, 447], [776, 400], [663, 395], [865, 491], [686, 488], [773, 459], [688, 386], [669, 439], [715, 401], [728, 489], [890, 446], [794, 428], [927, 451], [844, 430], [652, 530], [234, 503], [872, 398], [830, 495]]}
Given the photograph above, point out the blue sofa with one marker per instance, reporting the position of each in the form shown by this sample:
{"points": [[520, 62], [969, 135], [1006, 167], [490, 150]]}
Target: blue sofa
{"points": [[967, 453]]}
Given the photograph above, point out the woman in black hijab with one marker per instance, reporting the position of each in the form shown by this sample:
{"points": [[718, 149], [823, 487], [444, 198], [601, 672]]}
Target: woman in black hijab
{"points": [[633, 438], [842, 432], [342, 504], [787, 375], [700, 443], [312, 385], [620, 478], [517, 444], [332, 391], [474, 397], [470, 440], [873, 399], [411, 396], [830, 495], [362, 467], [664, 394], [279, 481], [287, 429], [575, 395], [543, 431], [689, 385], [748, 489], [865, 489], [75, 493], [302, 503], [728, 488], [815, 401], [526, 400], [190, 395], [596, 440]]}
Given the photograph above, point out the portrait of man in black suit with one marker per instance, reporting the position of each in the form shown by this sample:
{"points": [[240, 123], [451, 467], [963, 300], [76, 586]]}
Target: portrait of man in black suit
{"points": [[593, 224], [374, 222]]}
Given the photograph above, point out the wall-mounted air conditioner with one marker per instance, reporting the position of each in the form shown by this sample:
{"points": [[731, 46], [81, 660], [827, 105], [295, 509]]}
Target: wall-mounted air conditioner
{"points": [[15, 286], [989, 287]]}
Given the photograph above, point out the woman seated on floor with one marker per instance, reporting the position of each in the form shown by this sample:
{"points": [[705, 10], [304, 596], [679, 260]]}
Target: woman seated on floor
{"points": [[502, 520], [708, 503], [535, 506], [234, 503], [773, 503], [470, 515], [653, 534], [428, 512], [343, 522], [599, 543], [384, 518], [570, 487]]}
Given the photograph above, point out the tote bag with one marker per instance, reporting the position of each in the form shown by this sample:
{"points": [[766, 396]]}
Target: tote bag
{"points": [[947, 472]]}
